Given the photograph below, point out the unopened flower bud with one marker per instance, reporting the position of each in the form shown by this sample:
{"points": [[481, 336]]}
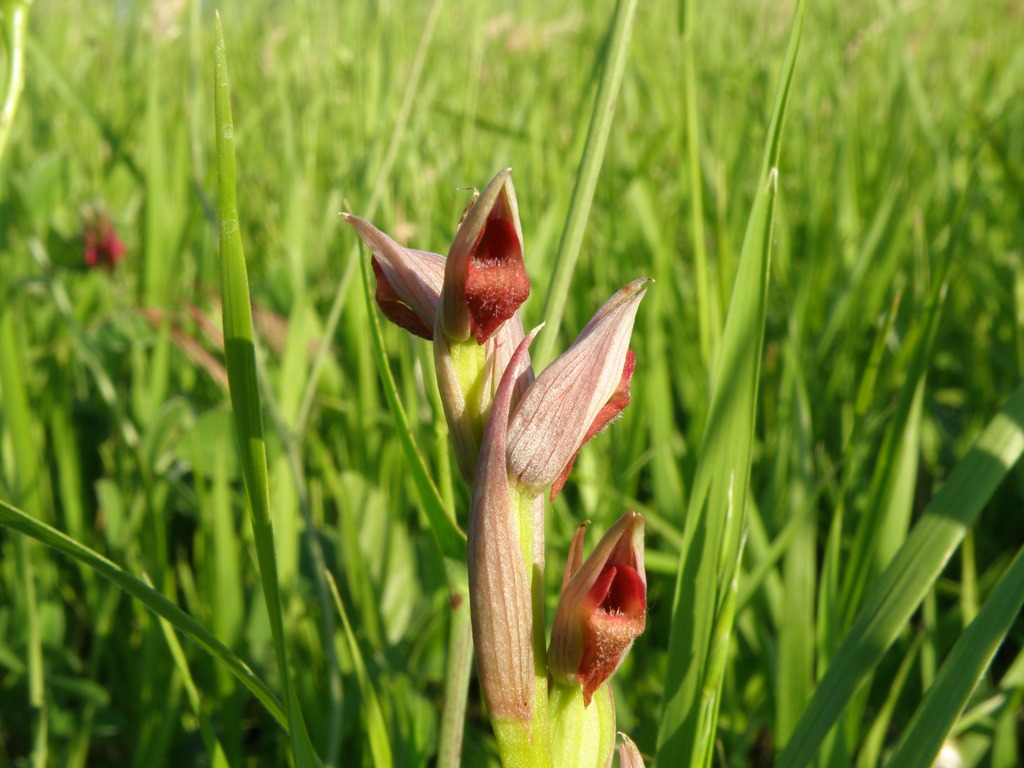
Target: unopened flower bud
{"points": [[576, 396], [629, 755]]}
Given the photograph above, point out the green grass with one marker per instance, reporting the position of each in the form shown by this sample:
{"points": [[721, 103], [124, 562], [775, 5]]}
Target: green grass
{"points": [[859, 463]]}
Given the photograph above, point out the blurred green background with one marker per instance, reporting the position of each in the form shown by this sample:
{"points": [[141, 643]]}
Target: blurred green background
{"points": [[902, 167]]}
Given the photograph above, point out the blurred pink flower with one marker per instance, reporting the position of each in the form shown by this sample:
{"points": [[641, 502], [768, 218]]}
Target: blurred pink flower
{"points": [[100, 242]]}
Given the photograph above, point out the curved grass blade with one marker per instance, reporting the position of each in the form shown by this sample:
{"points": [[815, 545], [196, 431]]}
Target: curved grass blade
{"points": [[701, 614], [14, 518], [376, 728], [240, 354], [450, 540], [214, 750], [963, 668], [900, 589]]}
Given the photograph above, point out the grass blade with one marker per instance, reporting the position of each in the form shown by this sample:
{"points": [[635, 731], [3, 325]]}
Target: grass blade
{"points": [[206, 731], [711, 543], [376, 729], [710, 320], [800, 566], [883, 525], [450, 539], [240, 353], [963, 668], [1005, 747], [901, 588], [14, 518], [586, 177], [13, 21], [25, 477]]}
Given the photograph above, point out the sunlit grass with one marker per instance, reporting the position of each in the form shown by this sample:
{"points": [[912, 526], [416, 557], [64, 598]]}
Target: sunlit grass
{"points": [[893, 336]]}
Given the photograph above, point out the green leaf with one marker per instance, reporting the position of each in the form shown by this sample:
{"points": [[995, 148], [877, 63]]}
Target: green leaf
{"points": [[14, 518], [961, 672], [702, 610], [897, 593]]}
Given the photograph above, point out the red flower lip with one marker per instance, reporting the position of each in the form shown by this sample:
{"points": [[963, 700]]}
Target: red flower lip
{"points": [[485, 281], [603, 606]]}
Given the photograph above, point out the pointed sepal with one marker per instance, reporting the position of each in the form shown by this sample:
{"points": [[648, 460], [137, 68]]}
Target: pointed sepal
{"points": [[576, 396], [408, 281], [499, 581]]}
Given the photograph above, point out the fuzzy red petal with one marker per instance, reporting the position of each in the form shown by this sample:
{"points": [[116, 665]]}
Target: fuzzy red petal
{"points": [[496, 281], [616, 612]]}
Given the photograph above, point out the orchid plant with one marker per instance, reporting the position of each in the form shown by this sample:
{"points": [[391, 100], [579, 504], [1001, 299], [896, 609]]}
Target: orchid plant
{"points": [[515, 438]]}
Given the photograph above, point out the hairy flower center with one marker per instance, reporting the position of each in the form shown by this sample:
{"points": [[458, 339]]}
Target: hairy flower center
{"points": [[615, 617], [496, 283]]}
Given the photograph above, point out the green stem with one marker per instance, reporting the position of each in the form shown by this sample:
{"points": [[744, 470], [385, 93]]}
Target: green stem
{"points": [[460, 665], [460, 639], [13, 18], [582, 735]]}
